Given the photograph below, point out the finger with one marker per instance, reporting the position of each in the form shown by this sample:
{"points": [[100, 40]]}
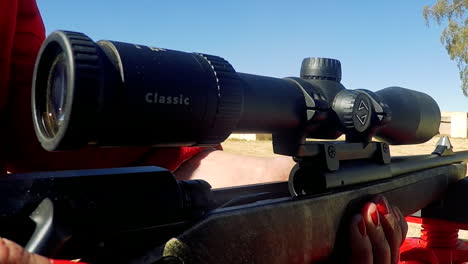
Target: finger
{"points": [[400, 222], [391, 227], [12, 253], [361, 248], [380, 248], [403, 224]]}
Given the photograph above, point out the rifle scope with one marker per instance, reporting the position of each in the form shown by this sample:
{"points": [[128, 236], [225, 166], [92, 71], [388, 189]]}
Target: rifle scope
{"points": [[110, 93]]}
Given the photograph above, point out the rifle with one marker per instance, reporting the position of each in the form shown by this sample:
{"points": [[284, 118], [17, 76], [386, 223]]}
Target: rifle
{"points": [[83, 91]]}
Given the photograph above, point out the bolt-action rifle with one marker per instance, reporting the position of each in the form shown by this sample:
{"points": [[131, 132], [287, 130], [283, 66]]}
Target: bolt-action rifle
{"points": [[110, 93]]}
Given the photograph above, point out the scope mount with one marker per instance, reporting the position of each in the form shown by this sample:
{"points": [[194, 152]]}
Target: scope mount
{"points": [[324, 165]]}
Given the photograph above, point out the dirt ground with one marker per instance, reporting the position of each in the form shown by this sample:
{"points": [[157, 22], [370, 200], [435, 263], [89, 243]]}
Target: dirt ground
{"points": [[265, 149]]}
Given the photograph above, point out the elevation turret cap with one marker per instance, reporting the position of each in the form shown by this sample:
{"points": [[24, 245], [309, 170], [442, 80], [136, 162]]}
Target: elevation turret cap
{"points": [[321, 68]]}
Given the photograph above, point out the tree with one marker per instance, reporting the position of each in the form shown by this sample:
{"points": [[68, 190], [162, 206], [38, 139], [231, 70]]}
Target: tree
{"points": [[452, 13]]}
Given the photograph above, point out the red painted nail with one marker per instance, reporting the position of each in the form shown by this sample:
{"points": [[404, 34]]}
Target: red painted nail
{"points": [[382, 207], [375, 216], [59, 261], [362, 227]]}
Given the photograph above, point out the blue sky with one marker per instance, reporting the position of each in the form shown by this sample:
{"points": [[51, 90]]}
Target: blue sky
{"points": [[379, 43]]}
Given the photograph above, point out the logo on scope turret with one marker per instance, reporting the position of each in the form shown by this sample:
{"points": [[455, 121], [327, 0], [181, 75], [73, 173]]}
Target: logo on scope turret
{"points": [[155, 98], [363, 112]]}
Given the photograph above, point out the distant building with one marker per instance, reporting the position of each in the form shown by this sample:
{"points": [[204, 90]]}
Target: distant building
{"points": [[250, 137], [453, 124], [459, 124]]}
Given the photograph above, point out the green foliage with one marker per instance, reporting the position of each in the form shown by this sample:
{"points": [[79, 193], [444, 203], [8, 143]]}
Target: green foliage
{"points": [[452, 14]]}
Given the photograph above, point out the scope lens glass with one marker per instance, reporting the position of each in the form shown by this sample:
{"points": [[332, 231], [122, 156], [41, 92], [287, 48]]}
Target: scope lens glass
{"points": [[56, 97]]}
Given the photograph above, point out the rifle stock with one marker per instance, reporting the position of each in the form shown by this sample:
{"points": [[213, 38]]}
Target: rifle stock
{"points": [[301, 230], [145, 211]]}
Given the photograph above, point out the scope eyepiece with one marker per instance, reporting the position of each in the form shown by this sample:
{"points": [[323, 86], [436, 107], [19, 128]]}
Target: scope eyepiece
{"points": [[109, 93], [64, 95]]}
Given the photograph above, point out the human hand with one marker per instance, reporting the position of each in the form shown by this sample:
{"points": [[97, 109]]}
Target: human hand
{"points": [[12, 253], [377, 233]]}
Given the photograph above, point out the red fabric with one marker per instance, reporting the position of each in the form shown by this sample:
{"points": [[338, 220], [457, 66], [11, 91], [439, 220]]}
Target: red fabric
{"points": [[21, 34]]}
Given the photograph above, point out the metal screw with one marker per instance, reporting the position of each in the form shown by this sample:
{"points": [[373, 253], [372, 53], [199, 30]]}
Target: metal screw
{"points": [[385, 148], [331, 151]]}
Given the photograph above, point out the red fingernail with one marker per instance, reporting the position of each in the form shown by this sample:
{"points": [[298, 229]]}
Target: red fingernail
{"points": [[382, 207], [362, 227], [375, 216], [60, 261]]}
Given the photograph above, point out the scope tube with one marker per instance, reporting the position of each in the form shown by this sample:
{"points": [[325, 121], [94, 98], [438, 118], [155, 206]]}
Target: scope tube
{"points": [[133, 94], [110, 93], [270, 105]]}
